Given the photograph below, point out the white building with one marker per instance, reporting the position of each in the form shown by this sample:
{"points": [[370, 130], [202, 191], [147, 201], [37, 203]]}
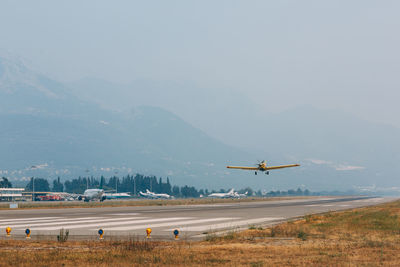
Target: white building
{"points": [[10, 194]]}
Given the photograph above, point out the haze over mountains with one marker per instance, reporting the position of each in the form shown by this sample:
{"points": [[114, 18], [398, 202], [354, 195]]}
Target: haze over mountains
{"points": [[44, 125], [150, 127]]}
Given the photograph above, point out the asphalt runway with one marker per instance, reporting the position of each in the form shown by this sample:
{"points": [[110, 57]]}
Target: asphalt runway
{"points": [[193, 221]]}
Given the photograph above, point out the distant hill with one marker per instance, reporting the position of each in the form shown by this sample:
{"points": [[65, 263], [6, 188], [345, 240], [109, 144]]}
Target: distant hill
{"points": [[43, 124], [337, 150], [58, 129], [209, 109]]}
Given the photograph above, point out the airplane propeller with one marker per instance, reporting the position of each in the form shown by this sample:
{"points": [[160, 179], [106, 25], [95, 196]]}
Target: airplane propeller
{"points": [[260, 163]]}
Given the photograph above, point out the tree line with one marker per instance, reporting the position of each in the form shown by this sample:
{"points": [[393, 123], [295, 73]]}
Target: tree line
{"points": [[127, 184], [133, 184], [5, 183]]}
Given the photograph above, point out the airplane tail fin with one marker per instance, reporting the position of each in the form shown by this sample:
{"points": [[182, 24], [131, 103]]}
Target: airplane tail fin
{"points": [[231, 192], [147, 191]]}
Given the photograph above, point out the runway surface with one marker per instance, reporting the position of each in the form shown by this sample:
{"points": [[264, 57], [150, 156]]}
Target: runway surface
{"points": [[193, 222]]}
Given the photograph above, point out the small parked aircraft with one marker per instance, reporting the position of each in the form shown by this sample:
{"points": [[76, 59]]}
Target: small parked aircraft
{"points": [[152, 195], [93, 194], [237, 195], [262, 166], [230, 194]]}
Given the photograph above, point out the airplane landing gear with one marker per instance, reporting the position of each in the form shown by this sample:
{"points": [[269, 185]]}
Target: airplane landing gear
{"points": [[255, 173], [267, 173]]}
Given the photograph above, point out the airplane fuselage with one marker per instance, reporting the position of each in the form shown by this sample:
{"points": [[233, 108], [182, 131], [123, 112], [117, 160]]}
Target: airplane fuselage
{"points": [[149, 194], [93, 194]]}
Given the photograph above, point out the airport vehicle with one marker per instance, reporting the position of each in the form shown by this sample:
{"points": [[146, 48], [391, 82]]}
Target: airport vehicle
{"points": [[93, 194], [262, 167], [50, 198], [152, 195], [117, 195], [230, 194]]}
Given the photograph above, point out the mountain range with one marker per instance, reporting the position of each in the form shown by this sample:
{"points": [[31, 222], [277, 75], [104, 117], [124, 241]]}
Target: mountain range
{"points": [[95, 127]]}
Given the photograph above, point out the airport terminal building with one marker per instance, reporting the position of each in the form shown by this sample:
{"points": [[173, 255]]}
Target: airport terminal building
{"points": [[11, 194]]}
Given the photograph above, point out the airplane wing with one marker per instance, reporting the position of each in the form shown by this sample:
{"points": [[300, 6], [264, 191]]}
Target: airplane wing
{"points": [[282, 166], [243, 168]]}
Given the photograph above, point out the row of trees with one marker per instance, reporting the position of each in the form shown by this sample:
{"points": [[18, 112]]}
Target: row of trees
{"points": [[5, 183], [133, 184], [290, 192], [130, 184]]}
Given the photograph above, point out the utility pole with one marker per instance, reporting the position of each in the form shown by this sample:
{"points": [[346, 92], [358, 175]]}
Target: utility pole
{"points": [[151, 185], [134, 185], [33, 167], [33, 189], [116, 182], [87, 179]]}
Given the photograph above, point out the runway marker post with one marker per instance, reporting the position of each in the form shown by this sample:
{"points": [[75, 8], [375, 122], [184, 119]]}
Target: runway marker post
{"points": [[176, 234], [8, 231], [101, 233], [28, 233], [148, 232]]}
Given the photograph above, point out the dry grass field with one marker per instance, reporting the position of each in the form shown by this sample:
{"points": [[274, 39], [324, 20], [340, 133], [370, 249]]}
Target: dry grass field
{"points": [[361, 237]]}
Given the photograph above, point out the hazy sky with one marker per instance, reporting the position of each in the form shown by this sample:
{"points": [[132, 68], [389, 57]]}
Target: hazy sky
{"points": [[281, 54]]}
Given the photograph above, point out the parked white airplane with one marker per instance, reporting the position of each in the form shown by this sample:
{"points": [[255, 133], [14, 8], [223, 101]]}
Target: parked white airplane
{"points": [[230, 194], [237, 195], [149, 194], [93, 194]]}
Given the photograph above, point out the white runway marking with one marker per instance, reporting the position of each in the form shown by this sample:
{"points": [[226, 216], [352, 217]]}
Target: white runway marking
{"points": [[328, 205], [377, 199], [118, 221], [28, 219], [81, 223], [369, 200], [178, 224], [43, 222], [227, 225], [208, 205], [123, 214]]}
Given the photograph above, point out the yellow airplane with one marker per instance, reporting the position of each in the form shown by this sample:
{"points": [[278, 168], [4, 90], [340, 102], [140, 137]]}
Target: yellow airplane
{"points": [[262, 166]]}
